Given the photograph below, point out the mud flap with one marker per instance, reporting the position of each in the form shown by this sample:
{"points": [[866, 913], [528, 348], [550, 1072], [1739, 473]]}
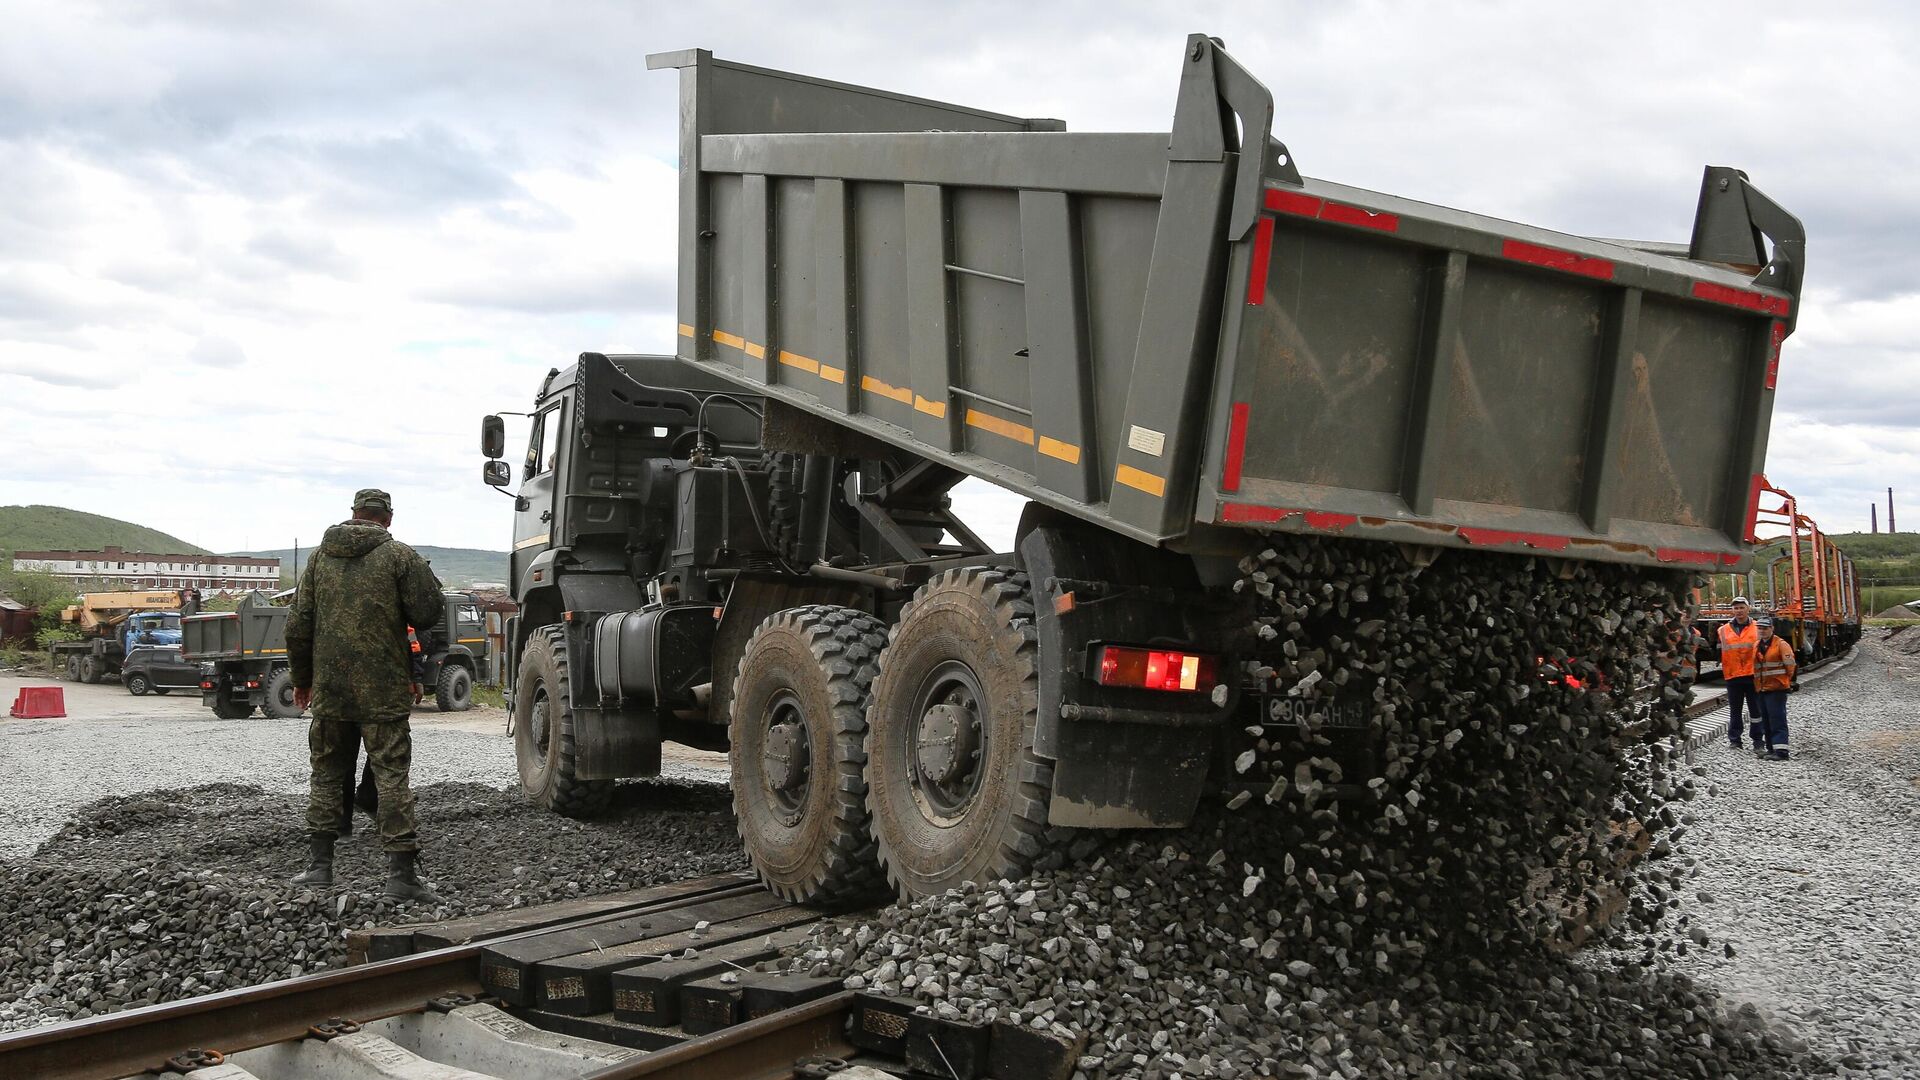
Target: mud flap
{"points": [[613, 743], [1124, 776], [1121, 761]]}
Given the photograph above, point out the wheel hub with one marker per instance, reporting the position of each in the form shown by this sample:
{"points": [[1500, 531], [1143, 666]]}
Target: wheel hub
{"points": [[786, 757], [946, 741], [949, 741], [786, 766]]}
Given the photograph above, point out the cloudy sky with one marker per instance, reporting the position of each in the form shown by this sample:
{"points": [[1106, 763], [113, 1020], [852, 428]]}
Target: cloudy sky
{"points": [[254, 256]]}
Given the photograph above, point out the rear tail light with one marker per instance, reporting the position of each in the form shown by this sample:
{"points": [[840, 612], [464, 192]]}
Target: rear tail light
{"points": [[1156, 669], [206, 686], [253, 684]]}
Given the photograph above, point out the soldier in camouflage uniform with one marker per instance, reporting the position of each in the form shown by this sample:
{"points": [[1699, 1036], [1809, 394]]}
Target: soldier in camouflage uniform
{"points": [[347, 645]]}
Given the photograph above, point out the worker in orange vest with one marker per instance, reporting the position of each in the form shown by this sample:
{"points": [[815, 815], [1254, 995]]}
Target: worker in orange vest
{"points": [[1773, 670], [1738, 640]]}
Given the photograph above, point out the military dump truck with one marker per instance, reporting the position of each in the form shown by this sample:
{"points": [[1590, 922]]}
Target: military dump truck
{"points": [[1180, 349], [243, 656], [111, 624]]}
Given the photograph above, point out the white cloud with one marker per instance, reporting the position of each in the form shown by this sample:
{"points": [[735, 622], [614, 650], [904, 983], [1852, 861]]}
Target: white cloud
{"points": [[279, 255]]}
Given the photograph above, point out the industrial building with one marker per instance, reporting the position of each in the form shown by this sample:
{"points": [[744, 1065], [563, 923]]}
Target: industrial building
{"points": [[146, 570]]}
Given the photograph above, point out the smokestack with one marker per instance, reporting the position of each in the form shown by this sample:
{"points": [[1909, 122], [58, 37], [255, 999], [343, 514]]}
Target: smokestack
{"points": [[1891, 527], [1874, 515]]}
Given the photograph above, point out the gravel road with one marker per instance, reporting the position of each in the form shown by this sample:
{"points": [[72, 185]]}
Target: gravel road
{"points": [[1810, 867], [112, 743]]}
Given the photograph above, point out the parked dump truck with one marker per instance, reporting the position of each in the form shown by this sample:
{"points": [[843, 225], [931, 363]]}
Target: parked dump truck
{"points": [[112, 623], [243, 656], [1178, 348]]}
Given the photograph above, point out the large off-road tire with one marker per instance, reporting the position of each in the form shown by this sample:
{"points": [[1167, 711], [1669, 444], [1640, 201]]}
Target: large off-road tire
{"points": [[138, 684], [955, 789], [72, 669], [798, 754], [92, 670], [279, 701], [543, 731], [784, 481], [453, 691]]}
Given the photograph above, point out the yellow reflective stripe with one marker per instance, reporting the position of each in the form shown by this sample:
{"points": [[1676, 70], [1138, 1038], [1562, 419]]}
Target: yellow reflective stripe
{"points": [[725, 338], [1140, 481], [804, 363], [758, 352], [898, 393], [685, 330], [532, 541], [1065, 451], [1005, 428], [470, 641], [930, 406]]}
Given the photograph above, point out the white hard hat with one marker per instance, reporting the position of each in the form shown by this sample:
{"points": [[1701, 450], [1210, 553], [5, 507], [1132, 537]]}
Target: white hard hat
{"points": [[1742, 600]]}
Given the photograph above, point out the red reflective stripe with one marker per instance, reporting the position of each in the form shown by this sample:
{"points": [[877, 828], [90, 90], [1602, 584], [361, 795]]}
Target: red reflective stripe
{"points": [[1312, 206], [1236, 445], [1366, 219], [1262, 250], [1554, 258], [1774, 337], [1319, 520], [1292, 202], [1501, 538], [1742, 298], [1327, 520], [1249, 514], [1753, 506], [1683, 555]]}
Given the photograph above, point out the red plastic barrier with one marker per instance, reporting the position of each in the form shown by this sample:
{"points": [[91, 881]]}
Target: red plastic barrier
{"points": [[40, 703]]}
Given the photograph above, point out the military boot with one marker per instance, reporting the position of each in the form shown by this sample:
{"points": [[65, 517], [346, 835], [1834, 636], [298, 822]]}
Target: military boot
{"points": [[319, 871], [403, 878]]}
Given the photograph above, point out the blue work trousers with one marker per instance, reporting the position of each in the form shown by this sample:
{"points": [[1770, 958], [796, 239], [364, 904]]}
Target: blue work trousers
{"points": [[1741, 698], [1771, 729]]}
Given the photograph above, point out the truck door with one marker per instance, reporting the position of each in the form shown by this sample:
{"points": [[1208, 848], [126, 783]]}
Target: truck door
{"points": [[535, 527]]}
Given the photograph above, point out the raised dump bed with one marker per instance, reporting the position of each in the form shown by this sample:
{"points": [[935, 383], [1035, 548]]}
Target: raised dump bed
{"points": [[1164, 335]]}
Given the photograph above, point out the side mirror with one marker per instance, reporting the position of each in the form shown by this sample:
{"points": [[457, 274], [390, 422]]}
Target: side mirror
{"points": [[497, 474], [493, 439]]}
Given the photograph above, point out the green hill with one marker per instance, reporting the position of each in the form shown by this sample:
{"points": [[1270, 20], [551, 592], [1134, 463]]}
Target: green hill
{"points": [[55, 528], [1887, 565], [456, 567]]}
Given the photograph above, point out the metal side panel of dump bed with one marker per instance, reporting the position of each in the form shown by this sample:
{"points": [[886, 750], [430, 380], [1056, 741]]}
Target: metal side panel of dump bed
{"points": [[1161, 334]]}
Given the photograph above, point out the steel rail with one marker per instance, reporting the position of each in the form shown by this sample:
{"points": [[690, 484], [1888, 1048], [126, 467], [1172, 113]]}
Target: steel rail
{"points": [[131, 1042], [134, 1041], [762, 1049]]}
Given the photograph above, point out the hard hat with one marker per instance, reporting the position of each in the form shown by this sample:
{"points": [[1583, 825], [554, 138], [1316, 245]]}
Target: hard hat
{"points": [[1764, 621], [1742, 600]]}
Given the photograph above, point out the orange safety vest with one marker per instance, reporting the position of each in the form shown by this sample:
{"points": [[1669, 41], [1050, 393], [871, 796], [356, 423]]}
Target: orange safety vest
{"points": [[1736, 649], [1773, 666]]}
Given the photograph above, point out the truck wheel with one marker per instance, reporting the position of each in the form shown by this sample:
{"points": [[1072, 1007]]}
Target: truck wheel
{"points": [[953, 784], [543, 731], [454, 692], [73, 669], [783, 505], [798, 753], [137, 685], [91, 670], [279, 701]]}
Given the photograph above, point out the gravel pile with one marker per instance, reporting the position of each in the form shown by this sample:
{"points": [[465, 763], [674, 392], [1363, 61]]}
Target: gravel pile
{"points": [[1420, 929], [1812, 868], [149, 898]]}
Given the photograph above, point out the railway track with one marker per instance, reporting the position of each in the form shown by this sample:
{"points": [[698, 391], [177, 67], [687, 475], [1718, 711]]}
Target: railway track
{"points": [[652, 983]]}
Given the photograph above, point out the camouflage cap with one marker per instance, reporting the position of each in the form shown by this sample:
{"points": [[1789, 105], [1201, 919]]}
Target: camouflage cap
{"points": [[373, 499]]}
